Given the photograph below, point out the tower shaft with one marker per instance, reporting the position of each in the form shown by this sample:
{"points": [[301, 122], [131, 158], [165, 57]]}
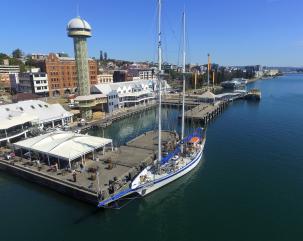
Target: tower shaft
{"points": [[80, 47]]}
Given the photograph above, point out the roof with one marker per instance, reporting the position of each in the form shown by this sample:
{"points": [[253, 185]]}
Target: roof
{"points": [[78, 23], [208, 95], [108, 87], [90, 97], [228, 94], [62, 144], [38, 110], [71, 59], [16, 120], [135, 94]]}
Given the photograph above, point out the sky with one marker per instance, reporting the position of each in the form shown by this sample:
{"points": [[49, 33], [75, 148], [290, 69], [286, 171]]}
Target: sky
{"points": [[234, 32]]}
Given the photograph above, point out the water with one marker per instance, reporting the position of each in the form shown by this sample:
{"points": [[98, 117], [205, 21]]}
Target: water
{"points": [[248, 186]]}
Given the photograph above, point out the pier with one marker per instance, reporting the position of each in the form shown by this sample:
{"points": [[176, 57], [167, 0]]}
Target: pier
{"points": [[201, 108], [102, 175], [105, 170], [205, 112], [109, 119]]}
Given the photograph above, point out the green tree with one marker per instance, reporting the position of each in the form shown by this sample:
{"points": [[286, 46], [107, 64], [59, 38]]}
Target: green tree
{"points": [[17, 53]]}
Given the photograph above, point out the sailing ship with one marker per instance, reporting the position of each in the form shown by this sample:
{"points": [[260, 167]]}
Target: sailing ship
{"points": [[187, 152]]}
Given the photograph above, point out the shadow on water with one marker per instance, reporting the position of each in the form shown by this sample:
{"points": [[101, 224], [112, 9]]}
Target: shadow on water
{"points": [[163, 196], [90, 214], [171, 191]]}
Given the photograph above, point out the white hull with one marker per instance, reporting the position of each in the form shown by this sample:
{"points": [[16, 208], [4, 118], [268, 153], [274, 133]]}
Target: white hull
{"points": [[163, 180]]}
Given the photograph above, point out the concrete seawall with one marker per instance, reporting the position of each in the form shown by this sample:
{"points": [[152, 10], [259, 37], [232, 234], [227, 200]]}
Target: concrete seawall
{"points": [[53, 184]]}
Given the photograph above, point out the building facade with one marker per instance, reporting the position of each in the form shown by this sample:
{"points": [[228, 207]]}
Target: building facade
{"points": [[14, 82], [9, 69], [129, 93], [119, 76], [142, 74], [105, 78], [4, 80], [34, 82], [5, 71], [17, 119], [62, 74]]}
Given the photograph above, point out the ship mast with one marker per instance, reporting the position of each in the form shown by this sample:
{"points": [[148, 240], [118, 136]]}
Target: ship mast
{"points": [[183, 73], [159, 81]]}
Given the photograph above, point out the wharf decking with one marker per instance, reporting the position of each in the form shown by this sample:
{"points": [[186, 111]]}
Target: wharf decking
{"points": [[121, 114], [205, 112], [176, 100], [105, 174]]}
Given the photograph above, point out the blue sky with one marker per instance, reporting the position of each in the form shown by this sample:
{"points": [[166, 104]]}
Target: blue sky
{"points": [[234, 32]]}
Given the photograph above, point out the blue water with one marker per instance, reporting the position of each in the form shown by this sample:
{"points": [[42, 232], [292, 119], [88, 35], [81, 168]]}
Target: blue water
{"points": [[249, 185]]}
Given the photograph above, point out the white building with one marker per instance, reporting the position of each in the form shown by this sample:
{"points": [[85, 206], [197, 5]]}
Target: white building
{"points": [[273, 72], [259, 74], [105, 78], [38, 56], [9, 69], [130, 93], [17, 119], [34, 82], [142, 74]]}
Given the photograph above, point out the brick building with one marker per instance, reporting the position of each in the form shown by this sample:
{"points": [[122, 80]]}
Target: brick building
{"points": [[62, 74]]}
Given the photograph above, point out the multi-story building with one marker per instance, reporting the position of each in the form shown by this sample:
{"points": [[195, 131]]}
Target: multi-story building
{"points": [[35, 82], [9, 69], [119, 76], [5, 71], [38, 57], [62, 74], [142, 73], [129, 93], [14, 82], [105, 78]]}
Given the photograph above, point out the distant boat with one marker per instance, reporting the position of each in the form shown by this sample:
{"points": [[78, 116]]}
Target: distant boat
{"points": [[253, 94], [234, 83]]}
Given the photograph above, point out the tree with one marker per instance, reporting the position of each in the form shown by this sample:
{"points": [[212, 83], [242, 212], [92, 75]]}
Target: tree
{"points": [[17, 53], [105, 56]]}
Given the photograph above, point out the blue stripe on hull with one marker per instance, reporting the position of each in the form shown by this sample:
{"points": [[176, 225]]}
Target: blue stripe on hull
{"points": [[129, 191]]}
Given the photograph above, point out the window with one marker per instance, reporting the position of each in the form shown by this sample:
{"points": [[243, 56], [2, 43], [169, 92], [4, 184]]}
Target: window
{"points": [[33, 107], [21, 108], [7, 109], [40, 105], [46, 106]]}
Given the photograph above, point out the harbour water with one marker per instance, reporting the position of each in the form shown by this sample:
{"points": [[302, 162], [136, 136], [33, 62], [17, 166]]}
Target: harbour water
{"points": [[248, 186]]}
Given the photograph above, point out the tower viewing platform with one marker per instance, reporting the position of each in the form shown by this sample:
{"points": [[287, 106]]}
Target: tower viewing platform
{"points": [[80, 30]]}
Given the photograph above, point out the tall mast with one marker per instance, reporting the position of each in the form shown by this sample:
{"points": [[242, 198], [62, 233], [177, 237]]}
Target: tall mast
{"points": [[208, 69], [159, 80], [183, 71]]}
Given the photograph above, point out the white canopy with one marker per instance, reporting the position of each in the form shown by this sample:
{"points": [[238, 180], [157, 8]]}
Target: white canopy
{"points": [[208, 95], [64, 145]]}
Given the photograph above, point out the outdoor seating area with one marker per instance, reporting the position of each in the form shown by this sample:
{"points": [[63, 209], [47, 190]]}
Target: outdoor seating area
{"points": [[84, 162]]}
